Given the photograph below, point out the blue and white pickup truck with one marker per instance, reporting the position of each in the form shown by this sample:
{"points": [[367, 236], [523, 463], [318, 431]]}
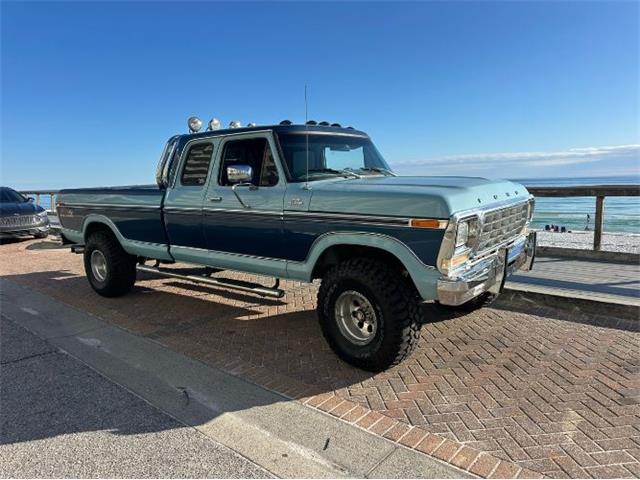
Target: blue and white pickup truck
{"points": [[306, 202]]}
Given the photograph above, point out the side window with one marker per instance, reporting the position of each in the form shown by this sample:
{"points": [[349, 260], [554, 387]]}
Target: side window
{"points": [[254, 152], [196, 165]]}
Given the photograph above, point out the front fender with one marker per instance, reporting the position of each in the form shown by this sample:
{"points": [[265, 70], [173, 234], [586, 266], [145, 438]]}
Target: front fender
{"points": [[425, 277]]}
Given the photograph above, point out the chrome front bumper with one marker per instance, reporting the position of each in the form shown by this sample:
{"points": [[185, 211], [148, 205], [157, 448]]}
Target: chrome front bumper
{"points": [[489, 274]]}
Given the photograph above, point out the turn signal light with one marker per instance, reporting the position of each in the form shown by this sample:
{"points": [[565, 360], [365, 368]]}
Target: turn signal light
{"points": [[456, 261], [427, 223]]}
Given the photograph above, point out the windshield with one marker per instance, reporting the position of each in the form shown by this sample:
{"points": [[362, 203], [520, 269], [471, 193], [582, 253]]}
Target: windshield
{"points": [[330, 155], [11, 196]]}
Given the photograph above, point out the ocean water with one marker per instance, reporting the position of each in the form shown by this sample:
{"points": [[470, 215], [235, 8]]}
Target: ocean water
{"points": [[621, 214]]}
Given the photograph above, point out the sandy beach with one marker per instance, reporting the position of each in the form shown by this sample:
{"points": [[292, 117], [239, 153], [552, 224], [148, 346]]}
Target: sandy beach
{"points": [[611, 242]]}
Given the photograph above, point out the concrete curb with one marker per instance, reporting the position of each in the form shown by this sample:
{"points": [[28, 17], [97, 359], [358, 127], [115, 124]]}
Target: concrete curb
{"points": [[525, 296], [578, 254]]}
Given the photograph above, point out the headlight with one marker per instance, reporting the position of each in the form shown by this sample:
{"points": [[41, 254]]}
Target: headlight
{"points": [[42, 214], [463, 234], [467, 233]]}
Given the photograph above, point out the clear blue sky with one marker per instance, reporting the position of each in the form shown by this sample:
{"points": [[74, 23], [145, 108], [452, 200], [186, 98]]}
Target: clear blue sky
{"points": [[90, 91]]}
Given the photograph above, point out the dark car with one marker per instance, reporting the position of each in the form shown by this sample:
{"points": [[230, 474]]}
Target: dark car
{"points": [[19, 216]]}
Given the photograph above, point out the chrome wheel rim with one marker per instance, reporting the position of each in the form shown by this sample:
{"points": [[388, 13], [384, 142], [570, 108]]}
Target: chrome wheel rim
{"points": [[356, 317], [99, 265]]}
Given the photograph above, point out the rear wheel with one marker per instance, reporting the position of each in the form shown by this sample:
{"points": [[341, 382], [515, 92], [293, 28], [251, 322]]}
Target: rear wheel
{"points": [[369, 314], [111, 271]]}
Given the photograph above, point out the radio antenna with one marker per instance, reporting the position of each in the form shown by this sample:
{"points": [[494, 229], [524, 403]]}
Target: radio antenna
{"points": [[306, 126]]}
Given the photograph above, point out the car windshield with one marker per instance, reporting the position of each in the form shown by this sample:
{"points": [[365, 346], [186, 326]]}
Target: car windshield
{"points": [[330, 155], [8, 195]]}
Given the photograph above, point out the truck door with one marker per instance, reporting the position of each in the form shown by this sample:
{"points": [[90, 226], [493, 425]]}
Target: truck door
{"points": [[243, 207], [184, 198]]}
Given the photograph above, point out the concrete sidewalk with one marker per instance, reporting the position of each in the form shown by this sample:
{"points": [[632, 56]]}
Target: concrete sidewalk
{"points": [[598, 280], [60, 418], [85, 398]]}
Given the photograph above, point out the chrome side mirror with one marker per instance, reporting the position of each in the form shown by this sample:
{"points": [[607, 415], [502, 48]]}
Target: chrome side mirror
{"points": [[239, 174]]}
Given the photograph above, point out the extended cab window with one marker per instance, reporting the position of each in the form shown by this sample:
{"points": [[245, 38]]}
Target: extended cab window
{"points": [[196, 165], [254, 152]]}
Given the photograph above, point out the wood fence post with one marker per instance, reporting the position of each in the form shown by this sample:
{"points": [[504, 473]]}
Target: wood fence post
{"points": [[597, 234]]}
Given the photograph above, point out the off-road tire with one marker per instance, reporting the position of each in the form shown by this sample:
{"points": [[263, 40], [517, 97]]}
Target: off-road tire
{"points": [[121, 267], [395, 302], [483, 300]]}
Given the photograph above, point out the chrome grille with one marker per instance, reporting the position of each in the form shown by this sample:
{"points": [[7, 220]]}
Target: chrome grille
{"points": [[502, 225], [18, 221]]}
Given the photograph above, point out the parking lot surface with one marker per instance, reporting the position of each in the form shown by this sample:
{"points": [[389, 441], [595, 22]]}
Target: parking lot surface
{"points": [[546, 392]]}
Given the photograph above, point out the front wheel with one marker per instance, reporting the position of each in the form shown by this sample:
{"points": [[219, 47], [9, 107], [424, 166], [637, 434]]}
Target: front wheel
{"points": [[111, 271], [369, 314]]}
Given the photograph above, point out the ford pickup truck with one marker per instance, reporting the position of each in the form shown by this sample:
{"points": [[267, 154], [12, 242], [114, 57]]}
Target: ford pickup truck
{"points": [[306, 202]]}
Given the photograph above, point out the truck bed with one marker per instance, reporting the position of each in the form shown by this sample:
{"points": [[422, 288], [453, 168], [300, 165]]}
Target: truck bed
{"points": [[135, 210]]}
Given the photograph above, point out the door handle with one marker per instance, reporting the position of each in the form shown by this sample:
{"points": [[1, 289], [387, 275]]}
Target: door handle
{"points": [[215, 199]]}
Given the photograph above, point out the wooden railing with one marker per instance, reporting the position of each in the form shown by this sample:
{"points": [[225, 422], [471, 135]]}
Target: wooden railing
{"points": [[37, 196], [598, 191]]}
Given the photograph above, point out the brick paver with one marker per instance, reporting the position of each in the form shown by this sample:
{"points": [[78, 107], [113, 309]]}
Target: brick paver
{"points": [[500, 393]]}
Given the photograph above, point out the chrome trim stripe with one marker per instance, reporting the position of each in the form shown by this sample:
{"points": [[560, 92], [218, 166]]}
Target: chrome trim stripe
{"points": [[220, 252], [310, 216], [146, 244], [346, 217], [108, 205], [270, 213]]}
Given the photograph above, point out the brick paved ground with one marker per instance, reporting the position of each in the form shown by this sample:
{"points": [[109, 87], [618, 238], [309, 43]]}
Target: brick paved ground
{"points": [[546, 393]]}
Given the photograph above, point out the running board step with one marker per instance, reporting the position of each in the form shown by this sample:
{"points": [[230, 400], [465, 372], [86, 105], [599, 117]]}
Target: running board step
{"points": [[273, 292]]}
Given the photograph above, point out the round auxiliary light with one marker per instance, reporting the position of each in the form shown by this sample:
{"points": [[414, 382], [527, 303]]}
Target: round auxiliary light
{"points": [[285, 122], [214, 124], [312, 122], [235, 124], [324, 123], [195, 124], [336, 125], [252, 124]]}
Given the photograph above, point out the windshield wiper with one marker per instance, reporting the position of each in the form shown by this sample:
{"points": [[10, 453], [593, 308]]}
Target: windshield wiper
{"points": [[345, 172], [384, 171]]}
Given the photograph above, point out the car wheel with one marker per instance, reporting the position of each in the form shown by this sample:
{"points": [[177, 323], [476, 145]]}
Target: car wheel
{"points": [[369, 314], [111, 271]]}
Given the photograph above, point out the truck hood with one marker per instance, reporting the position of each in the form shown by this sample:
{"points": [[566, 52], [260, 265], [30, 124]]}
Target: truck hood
{"points": [[433, 197]]}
